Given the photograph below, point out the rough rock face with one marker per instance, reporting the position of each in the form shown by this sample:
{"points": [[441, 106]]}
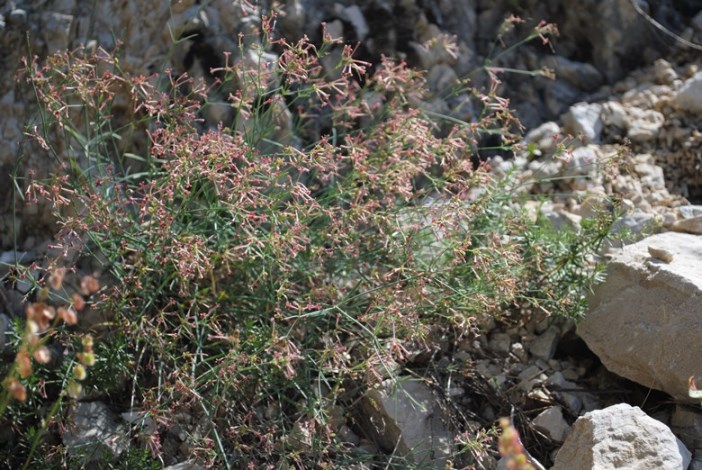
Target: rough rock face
{"points": [[404, 418], [686, 423], [621, 436], [94, 432], [552, 423], [644, 322]]}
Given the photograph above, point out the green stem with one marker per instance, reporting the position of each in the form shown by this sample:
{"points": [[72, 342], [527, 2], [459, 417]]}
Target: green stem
{"points": [[42, 430]]}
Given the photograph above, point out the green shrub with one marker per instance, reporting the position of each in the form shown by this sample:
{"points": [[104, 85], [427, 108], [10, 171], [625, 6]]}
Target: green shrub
{"points": [[260, 283]]}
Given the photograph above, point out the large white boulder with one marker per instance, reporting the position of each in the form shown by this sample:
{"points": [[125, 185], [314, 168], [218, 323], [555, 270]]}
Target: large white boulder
{"points": [[621, 436], [645, 320]]}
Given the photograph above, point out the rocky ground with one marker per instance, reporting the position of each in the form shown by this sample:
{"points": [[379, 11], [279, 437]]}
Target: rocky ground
{"points": [[577, 389], [627, 102]]}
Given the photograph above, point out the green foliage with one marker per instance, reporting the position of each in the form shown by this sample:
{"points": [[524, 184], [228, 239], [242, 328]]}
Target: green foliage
{"points": [[258, 284]]}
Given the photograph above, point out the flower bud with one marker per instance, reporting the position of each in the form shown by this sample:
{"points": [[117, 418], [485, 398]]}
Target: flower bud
{"points": [[68, 315], [89, 285], [78, 301], [74, 389], [42, 355], [79, 372], [43, 294], [24, 364], [56, 278], [87, 358], [16, 389], [87, 343]]}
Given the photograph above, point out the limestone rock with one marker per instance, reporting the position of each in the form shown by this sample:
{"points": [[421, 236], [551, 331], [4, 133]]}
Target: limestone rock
{"points": [[571, 400], [660, 253], [545, 137], [583, 162], [690, 211], [441, 77], [543, 172], [632, 227], [558, 96], [689, 96], [519, 352], [582, 75], [531, 377], [614, 114], [293, 20], [644, 319], [500, 343], [403, 416], [562, 220], [643, 124], [621, 436], [93, 432], [686, 422], [690, 225], [620, 32], [584, 119], [354, 15], [651, 176], [551, 422], [544, 346], [56, 29], [664, 72]]}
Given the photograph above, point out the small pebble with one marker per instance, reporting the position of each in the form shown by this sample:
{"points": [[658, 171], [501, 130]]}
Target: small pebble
{"points": [[661, 254]]}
